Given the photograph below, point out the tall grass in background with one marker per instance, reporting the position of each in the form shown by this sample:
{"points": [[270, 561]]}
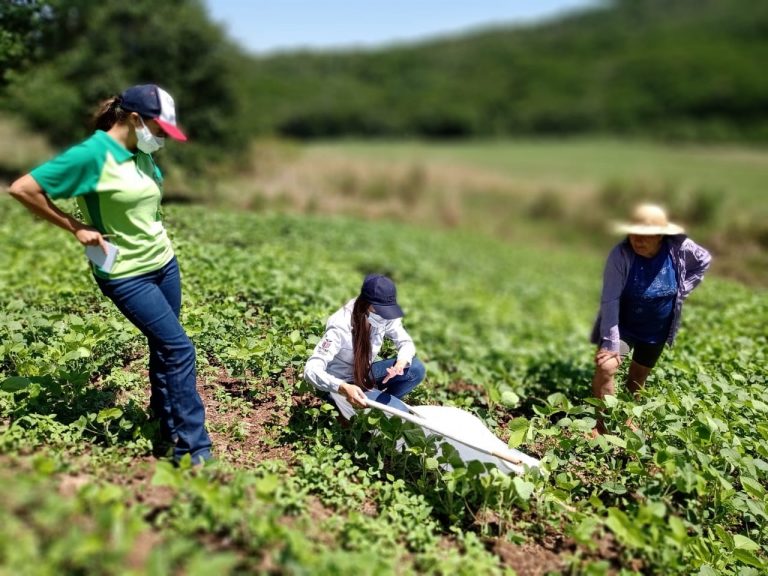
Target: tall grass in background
{"points": [[19, 148]]}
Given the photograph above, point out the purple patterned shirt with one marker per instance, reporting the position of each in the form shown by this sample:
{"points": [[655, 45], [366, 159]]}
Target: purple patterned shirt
{"points": [[691, 262]]}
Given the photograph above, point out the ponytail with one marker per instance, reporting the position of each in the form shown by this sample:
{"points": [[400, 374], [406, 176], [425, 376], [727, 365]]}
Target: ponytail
{"points": [[109, 113], [361, 345]]}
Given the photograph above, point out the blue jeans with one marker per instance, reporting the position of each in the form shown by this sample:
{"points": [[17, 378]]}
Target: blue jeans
{"points": [[152, 303], [398, 386]]}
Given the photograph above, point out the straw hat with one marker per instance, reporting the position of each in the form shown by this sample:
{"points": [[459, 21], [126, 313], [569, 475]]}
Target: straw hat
{"points": [[648, 220]]}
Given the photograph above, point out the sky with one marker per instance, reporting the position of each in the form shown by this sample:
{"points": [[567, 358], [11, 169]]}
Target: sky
{"points": [[268, 26]]}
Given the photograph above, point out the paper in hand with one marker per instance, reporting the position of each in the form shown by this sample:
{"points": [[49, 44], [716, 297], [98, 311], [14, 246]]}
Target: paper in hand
{"points": [[103, 261]]}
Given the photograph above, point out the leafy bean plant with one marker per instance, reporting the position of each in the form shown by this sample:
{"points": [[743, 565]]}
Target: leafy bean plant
{"points": [[677, 486]]}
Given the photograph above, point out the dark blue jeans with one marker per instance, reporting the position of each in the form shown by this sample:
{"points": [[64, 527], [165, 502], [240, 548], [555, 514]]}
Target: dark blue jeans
{"points": [[152, 302], [398, 386]]}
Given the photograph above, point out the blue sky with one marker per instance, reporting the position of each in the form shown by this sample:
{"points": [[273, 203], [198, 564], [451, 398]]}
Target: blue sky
{"points": [[264, 26]]}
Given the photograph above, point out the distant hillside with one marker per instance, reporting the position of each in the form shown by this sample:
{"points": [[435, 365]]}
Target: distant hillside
{"points": [[687, 69]]}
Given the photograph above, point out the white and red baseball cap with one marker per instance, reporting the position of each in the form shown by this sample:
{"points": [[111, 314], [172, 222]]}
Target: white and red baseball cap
{"points": [[151, 101]]}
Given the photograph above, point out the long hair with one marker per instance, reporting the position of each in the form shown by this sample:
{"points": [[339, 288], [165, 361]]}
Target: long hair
{"points": [[361, 344], [109, 113]]}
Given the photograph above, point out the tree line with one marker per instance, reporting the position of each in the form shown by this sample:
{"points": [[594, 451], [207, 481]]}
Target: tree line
{"points": [[59, 58], [679, 69]]}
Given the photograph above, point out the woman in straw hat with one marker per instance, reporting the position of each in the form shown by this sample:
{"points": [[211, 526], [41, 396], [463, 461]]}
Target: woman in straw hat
{"points": [[647, 278]]}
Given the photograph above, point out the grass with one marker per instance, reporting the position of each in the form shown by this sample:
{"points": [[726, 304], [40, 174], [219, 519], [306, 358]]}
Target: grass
{"points": [[20, 150], [585, 164]]}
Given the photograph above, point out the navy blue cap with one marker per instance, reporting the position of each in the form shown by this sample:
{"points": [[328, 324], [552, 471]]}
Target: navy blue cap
{"points": [[151, 101], [380, 291]]}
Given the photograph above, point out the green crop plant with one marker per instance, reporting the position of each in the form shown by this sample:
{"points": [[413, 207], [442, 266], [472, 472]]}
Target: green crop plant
{"points": [[502, 329]]}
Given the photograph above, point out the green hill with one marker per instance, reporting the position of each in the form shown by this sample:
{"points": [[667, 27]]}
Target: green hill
{"points": [[682, 69]]}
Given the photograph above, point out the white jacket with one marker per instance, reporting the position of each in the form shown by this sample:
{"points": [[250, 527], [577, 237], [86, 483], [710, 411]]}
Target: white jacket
{"points": [[331, 363]]}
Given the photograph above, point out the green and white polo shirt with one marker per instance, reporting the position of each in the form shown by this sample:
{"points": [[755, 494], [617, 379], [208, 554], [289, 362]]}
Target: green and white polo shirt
{"points": [[119, 194]]}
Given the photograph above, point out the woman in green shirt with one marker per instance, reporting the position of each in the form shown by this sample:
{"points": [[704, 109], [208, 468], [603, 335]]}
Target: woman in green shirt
{"points": [[118, 188]]}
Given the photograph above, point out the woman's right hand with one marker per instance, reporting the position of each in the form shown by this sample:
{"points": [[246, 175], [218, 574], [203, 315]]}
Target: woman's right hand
{"points": [[88, 236], [354, 394]]}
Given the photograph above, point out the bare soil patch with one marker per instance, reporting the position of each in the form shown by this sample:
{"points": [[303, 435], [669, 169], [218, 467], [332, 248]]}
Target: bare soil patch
{"points": [[527, 559], [259, 427]]}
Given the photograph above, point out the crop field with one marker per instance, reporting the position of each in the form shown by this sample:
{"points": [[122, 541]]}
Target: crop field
{"points": [[503, 330]]}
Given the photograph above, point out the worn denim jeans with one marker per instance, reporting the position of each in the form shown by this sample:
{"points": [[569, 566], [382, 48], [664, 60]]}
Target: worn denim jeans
{"points": [[152, 302]]}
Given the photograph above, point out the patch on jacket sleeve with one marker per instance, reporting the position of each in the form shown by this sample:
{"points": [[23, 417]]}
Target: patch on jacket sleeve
{"points": [[327, 347]]}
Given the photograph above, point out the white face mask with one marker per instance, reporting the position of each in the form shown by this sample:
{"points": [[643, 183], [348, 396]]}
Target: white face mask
{"points": [[146, 141], [376, 321]]}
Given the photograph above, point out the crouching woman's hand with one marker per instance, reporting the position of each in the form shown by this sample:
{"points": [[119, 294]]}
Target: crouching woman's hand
{"points": [[354, 394]]}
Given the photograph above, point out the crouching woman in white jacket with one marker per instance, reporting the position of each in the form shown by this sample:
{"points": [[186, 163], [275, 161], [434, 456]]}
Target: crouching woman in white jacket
{"points": [[342, 364]]}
